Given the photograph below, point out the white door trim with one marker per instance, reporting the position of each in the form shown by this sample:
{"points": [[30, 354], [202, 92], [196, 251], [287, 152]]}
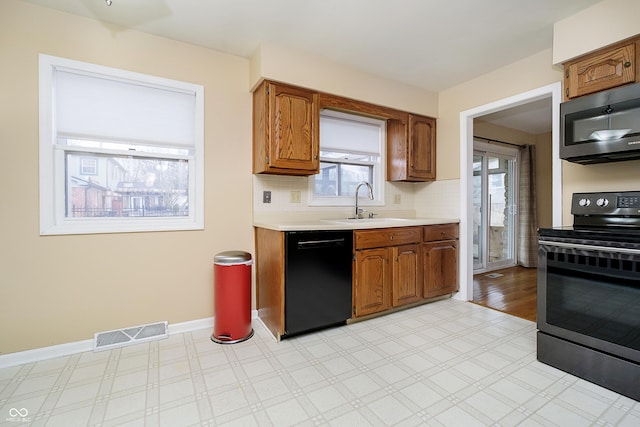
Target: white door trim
{"points": [[553, 91]]}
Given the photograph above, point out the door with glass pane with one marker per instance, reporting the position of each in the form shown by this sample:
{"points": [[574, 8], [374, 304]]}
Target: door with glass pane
{"points": [[494, 210]]}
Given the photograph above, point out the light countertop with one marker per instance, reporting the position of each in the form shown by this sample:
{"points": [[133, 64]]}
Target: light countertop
{"points": [[348, 224]]}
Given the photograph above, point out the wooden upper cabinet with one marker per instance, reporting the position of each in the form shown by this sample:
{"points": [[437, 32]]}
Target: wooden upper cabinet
{"points": [[285, 130], [603, 69], [422, 148], [411, 149], [286, 133]]}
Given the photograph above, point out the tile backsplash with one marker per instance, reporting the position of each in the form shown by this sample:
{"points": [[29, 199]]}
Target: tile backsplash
{"points": [[438, 199]]}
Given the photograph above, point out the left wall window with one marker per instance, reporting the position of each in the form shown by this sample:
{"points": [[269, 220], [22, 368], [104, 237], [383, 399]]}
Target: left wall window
{"points": [[119, 151]]}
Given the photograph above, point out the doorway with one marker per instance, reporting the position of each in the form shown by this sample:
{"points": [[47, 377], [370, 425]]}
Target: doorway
{"points": [[495, 214], [552, 91]]}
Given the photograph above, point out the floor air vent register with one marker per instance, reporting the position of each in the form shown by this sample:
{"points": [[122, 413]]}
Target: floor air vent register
{"points": [[129, 336]]}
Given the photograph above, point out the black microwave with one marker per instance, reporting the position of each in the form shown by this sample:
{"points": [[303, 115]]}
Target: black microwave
{"points": [[602, 127]]}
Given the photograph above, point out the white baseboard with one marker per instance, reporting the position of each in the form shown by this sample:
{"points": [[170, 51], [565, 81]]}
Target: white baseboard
{"points": [[44, 353], [191, 325]]}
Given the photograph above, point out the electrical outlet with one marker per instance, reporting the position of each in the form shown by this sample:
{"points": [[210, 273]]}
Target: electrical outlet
{"points": [[294, 197], [266, 197], [396, 199]]}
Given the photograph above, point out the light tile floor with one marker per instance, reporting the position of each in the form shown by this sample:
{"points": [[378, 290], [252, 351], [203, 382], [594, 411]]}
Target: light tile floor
{"points": [[448, 363]]}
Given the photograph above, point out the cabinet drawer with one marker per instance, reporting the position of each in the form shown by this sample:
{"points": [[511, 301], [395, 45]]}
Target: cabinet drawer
{"points": [[440, 232], [382, 237]]}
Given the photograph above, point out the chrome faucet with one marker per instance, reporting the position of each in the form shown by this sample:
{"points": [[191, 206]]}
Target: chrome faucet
{"points": [[358, 211]]}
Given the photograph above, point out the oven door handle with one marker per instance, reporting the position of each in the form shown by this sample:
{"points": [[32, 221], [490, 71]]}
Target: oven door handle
{"points": [[590, 247]]}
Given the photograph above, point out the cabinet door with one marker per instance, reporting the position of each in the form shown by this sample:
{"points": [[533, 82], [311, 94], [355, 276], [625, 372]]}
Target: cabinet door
{"points": [[372, 281], [440, 267], [294, 129], [407, 275], [422, 148], [397, 151], [602, 70]]}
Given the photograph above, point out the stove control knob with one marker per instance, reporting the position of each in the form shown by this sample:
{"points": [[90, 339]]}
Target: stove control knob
{"points": [[602, 202], [584, 202]]}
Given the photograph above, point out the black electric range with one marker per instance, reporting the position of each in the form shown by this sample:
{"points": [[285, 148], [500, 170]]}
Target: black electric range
{"points": [[589, 292]]}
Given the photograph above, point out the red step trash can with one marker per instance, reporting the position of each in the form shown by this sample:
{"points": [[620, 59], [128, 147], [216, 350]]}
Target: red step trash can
{"points": [[232, 297]]}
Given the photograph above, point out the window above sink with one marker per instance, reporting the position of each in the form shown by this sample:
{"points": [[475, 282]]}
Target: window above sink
{"points": [[351, 151]]}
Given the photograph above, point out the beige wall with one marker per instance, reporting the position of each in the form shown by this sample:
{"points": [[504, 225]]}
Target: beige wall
{"points": [[59, 289], [600, 25], [294, 67], [530, 73], [280, 64], [619, 176]]}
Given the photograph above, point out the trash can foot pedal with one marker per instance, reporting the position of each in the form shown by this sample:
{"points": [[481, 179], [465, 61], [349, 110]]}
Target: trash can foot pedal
{"points": [[226, 339]]}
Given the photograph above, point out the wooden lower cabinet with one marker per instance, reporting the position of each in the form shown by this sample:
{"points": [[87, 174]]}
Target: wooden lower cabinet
{"points": [[407, 275], [372, 281], [386, 277], [270, 271], [440, 267], [392, 267], [387, 270]]}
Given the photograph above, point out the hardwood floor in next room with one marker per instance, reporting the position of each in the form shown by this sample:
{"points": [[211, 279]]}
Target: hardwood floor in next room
{"points": [[511, 290]]}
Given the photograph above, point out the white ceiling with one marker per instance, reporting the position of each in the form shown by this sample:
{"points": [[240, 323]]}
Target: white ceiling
{"points": [[533, 117], [431, 44]]}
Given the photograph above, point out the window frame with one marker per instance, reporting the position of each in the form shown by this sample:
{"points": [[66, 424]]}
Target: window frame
{"points": [[52, 180], [379, 168]]}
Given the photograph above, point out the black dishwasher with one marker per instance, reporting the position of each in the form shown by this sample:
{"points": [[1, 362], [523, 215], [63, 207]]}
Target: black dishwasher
{"points": [[317, 279]]}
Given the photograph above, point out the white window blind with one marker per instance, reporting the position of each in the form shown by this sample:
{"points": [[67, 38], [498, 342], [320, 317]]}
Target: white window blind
{"points": [[347, 135], [100, 107]]}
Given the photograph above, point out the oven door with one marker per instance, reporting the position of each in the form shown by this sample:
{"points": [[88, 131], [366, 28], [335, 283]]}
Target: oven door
{"points": [[589, 294]]}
